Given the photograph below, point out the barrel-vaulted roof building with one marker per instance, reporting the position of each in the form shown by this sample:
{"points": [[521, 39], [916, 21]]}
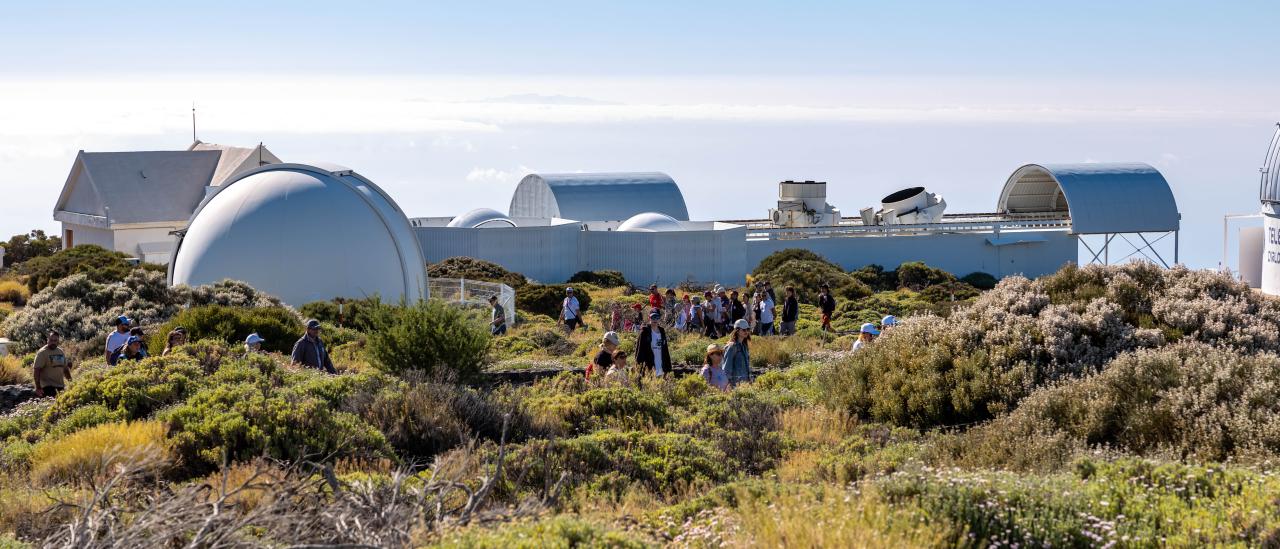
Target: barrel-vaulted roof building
{"points": [[598, 196]]}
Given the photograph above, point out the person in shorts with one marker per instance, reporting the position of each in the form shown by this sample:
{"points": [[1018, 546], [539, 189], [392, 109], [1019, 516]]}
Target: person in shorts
{"points": [[570, 311], [51, 369]]}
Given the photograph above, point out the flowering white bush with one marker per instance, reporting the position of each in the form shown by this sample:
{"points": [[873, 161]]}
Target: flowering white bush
{"points": [[82, 309]]}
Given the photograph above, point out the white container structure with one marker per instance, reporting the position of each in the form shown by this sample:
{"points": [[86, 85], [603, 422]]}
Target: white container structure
{"points": [[804, 204]]}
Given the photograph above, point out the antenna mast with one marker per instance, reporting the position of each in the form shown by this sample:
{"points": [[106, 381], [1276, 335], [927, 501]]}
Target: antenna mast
{"points": [[194, 139]]}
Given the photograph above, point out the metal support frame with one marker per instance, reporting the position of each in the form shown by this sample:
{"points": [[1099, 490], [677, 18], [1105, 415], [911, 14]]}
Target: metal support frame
{"points": [[1146, 247]]}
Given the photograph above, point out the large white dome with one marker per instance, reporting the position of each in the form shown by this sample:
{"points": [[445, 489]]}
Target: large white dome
{"points": [[650, 222], [482, 218], [303, 233]]}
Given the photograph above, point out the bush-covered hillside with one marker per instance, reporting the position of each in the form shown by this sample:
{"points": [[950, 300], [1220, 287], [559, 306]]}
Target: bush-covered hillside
{"points": [[1120, 406]]}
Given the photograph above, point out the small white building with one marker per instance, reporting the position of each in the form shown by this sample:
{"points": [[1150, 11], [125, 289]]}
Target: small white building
{"points": [[132, 202]]}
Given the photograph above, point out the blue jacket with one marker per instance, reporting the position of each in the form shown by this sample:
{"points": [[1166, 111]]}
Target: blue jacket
{"points": [[737, 363]]}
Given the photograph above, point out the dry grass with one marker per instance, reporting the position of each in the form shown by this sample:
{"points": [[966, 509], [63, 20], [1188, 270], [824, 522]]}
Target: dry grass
{"points": [[816, 425], [93, 453], [834, 518], [12, 291], [12, 372]]}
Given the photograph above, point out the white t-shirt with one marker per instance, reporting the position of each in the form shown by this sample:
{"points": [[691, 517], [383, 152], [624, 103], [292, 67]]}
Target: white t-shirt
{"points": [[655, 343], [766, 311], [115, 340], [570, 307], [857, 344]]}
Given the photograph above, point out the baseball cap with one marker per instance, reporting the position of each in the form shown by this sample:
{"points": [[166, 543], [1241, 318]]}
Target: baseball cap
{"points": [[124, 320], [132, 340], [741, 324], [313, 323], [870, 328], [253, 338], [654, 314], [889, 320], [568, 290], [611, 337], [180, 330]]}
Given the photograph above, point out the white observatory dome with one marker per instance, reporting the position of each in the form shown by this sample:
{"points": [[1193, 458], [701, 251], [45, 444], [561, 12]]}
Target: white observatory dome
{"points": [[482, 218], [303, 233], [650, 222]]}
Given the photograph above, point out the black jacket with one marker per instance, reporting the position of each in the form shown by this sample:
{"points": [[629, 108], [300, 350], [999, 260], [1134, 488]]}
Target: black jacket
{"points": [[312, 354], [739, 311], [644, 349], [790, 310], [827, 303]]}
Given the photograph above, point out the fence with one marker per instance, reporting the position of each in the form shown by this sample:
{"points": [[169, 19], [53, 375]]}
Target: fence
{"points": [[474, 292]]}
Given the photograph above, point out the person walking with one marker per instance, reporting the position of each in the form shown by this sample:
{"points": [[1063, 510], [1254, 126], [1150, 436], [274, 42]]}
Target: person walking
{"points": [[724, 308], [655, 298], [604, 359], [712, 372], [569, 311], [309, 350], [119, 335], [737, 310], [710, 320], [737, 355], [498, 317], [131, 350], [51, 369], [253, 344], [866, 335], [764, 318], [790, 312], [695, 315], [174, 340], [651, 349], [889, 321], [827, 305]]}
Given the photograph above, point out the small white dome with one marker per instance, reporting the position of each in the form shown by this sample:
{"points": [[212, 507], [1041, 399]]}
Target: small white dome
{"points": [[482, 218], [650, 222], [303, 233]]}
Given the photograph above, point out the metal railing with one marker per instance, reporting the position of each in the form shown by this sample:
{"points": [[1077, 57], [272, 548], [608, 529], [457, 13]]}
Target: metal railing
{"points": [[955, 223], [474, 292]]}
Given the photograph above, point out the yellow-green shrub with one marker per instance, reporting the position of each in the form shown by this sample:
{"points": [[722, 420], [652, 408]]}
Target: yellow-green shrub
{"points": [[95, 451], [14, 292], [12, 372]]}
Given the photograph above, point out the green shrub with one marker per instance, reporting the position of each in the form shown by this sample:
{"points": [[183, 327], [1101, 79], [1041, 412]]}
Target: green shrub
{"points": [[475, 269], [552, 532], [602, 279], [664, 463], [875, 277], [357, 314], [93, 453], [741, 424], [546, 299], [776, 259], [21, 247], [980, 280], [918, 276], [431, 337], [279, 326], [622, 408], [133, 389], [12, 291], [96, 262], [948, 292]]}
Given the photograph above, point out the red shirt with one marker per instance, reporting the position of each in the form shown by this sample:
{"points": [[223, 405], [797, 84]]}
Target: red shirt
{"points": [[655, 301]]}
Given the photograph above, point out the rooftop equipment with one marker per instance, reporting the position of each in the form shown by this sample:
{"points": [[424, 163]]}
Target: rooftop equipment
{"points": [[804, 204], [910, 206]]}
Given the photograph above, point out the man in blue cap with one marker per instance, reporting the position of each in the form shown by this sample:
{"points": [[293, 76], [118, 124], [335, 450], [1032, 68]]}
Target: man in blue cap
{"points": [[117, 338], [309, 351]]}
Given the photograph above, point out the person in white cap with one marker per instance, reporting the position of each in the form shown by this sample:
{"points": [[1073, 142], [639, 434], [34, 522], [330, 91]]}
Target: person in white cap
{"points": [[737, 355], [866, 335], [604, 359], [253, 344], [889, 321], [569, 310]]}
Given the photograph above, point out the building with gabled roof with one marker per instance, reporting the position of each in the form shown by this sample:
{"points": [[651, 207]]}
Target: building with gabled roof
{"points": [[133, 201]]}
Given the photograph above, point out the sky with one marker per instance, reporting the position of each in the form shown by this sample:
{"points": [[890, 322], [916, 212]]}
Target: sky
{"points": [[447, 105]]}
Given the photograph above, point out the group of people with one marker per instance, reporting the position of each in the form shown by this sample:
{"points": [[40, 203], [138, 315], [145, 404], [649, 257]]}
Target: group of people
{"points": [[723, 367], [712, 314]]}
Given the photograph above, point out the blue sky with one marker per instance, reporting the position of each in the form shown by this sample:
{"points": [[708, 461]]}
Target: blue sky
{"points": [[447, 105]]}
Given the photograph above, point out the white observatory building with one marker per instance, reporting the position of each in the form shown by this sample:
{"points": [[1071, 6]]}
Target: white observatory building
{"points": [[303, 233], [1269, 195]]}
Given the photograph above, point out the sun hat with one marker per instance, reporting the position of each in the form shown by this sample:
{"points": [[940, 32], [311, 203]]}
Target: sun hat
{"points": [[611, 337], [253, 338], [889, 320], [714, 348], [741, 324], [870, 328]]}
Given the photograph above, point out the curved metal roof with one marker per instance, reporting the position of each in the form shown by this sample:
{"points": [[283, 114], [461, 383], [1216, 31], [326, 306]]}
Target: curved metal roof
{"points": [[482, 218], [597, 196], [1269, 190], [261, 228], [650, 222], [1099, 197]]}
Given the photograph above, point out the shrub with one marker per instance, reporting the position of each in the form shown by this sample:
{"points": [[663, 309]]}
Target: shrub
{"points": [[664, 463], [97, 263], [134, 389], [279, 326], [546, 299], [12, 372], [91, 453], [980, 280], [431, 337], [475, 269], [552, 532], [776, 259], [875, 277], [741, 425], [239, 421], [357, 314], [918, 276], [12, 291], [419, 422], [602, 279]]}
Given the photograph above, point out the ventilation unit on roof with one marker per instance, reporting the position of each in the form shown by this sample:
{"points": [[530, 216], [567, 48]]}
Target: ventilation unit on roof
{"points": [[803, 204], [907, 207]]}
